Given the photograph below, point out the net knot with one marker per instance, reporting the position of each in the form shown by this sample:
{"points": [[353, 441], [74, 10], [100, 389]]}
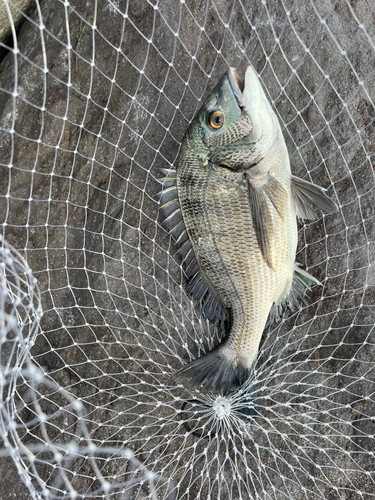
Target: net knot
{"points": [[222, 407]]}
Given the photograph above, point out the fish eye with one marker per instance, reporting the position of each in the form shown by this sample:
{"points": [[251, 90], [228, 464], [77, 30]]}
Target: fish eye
{"points": [[216, 119]]}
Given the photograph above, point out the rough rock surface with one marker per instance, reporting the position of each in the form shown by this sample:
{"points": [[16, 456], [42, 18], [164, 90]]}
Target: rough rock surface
{"points": [[12, 17], [81, 145]]}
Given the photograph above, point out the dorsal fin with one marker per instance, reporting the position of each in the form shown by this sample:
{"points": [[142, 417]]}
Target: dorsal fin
{"points": [[202, 290], [197, 283]]}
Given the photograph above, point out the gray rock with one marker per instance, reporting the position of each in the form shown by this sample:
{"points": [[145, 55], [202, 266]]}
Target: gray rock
{"points": [[12, 15], [78, 195], [11, 486]]}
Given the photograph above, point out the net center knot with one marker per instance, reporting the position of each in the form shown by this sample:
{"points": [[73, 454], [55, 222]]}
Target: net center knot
{"points": [[222, 407]]}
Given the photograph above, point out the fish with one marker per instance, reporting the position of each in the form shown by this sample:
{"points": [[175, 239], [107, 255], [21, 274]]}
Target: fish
{"points": [[231, 205]]}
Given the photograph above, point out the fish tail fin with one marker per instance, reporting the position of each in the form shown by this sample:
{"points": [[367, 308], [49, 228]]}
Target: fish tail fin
{"points": [[213, 372]]}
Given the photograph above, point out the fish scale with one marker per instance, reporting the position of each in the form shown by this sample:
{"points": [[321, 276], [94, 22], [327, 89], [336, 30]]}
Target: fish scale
{"points": [[231, 206], [229, 261]]}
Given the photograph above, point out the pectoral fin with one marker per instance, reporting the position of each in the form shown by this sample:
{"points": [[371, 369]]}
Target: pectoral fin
{"points": [[262, 221], [308, 197], [272, 191], [277, 195]]}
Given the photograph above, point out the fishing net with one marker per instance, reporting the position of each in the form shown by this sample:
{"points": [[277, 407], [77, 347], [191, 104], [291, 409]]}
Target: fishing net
{"points": [[95, 99]]}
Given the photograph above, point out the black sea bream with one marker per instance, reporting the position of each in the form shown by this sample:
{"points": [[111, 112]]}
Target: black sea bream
{"points": [[232, 206]]}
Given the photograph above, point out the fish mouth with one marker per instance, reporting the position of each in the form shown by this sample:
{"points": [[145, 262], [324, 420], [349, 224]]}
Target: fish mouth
{"points": [[236, 85], [244, 90]]}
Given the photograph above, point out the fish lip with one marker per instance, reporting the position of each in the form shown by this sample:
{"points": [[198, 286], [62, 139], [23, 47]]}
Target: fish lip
{"points": [[254, 97], [233, 80], [245, 91]]}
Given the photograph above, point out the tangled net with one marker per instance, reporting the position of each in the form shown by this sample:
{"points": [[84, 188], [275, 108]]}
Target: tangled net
{"points": [[94, 100]]}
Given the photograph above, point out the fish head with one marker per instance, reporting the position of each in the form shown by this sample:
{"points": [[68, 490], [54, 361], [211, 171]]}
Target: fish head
{"points": [[222, 108], [236, 125]]}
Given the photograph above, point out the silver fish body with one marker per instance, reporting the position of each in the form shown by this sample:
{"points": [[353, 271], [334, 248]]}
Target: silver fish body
{"points": [[231, 205]]}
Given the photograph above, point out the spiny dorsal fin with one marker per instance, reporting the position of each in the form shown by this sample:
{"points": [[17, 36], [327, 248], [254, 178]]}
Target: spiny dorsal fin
{"points": [[308, 197], [198, 285], [168, 171], [169, 180], [201, 289]]}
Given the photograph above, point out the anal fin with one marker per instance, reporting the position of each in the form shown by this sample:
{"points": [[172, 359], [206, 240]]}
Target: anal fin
{"points": [[308, 197], [296, 297]]}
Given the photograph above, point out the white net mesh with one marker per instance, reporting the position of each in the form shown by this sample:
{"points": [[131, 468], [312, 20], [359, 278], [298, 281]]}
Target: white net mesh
{"points": [[95, 98]]}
